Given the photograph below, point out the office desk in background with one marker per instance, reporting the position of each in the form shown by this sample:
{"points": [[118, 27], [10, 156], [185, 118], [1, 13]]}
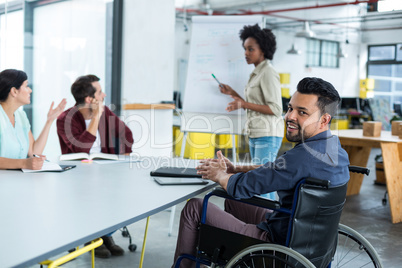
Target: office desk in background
{"points": [[45, 214], [358, 147]]}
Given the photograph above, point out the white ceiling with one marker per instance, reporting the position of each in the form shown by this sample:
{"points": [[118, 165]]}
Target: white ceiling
{"points": [[336, 17]]}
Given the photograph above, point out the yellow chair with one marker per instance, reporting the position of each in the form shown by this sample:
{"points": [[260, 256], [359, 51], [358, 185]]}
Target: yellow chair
{"points": [[91, 247], [225, 141], [198, 145], [338, 124]]}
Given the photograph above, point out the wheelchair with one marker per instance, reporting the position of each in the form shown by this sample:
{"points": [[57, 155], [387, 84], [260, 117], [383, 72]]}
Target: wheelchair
{"points": [[314, 238]]}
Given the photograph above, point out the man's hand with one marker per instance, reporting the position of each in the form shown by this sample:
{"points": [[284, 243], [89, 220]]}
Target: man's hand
{"points": [[215, 169], [97, 108], [230, 168]]}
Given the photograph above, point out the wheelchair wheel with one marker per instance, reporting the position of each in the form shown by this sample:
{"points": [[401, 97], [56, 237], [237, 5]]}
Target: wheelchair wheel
{"points": [[268, 255], [353, 250]]}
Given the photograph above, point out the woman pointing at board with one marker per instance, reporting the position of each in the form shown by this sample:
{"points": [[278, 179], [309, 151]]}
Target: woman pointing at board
{"points": [[263, 101]]}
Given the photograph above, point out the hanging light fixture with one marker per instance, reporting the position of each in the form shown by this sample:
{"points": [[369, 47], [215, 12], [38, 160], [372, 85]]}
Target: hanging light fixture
{"points": [[306, 32], [293, 50], [341, 54]]}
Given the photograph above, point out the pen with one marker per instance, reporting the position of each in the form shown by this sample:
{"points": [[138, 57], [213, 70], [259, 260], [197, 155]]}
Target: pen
{"points": [[216, 80], [37, 156]]}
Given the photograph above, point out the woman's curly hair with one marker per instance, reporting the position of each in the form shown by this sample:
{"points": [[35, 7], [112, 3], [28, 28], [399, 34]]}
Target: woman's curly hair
{"points": [[264, 37]]}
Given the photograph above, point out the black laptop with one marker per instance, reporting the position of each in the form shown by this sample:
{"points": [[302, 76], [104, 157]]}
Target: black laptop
{"points": [[177, 176], [175, 172]]}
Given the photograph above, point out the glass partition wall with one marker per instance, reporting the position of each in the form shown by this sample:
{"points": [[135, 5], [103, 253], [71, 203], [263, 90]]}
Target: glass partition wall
{"points": [[55, 42]]}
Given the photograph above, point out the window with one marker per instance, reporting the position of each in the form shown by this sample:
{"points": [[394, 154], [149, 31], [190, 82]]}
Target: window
{"points": [[78, 41], [11, 38], [385, 67], [384, 6], [322, 53], [381, 53], [389, 5]]}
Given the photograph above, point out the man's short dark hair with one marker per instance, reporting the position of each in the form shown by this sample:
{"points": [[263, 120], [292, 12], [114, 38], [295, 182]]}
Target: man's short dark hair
{"points": [[92, 77], [264, 37], [328, 97], [82, 88]]}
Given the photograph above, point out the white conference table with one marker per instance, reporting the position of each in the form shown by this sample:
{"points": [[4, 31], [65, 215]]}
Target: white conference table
{"points": [[45, 214]]}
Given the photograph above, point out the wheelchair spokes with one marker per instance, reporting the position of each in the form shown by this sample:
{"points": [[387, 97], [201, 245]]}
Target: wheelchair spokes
{"points": [[354, 250], [263, 260], [268, 255]]}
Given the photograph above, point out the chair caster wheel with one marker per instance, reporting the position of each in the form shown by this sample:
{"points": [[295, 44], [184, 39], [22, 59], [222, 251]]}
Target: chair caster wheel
{"points": [[132, 247], [124, 233], [384, 202]]}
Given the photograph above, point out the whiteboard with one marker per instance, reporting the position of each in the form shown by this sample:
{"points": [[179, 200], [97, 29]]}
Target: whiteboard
{"points": [[216, 48]]}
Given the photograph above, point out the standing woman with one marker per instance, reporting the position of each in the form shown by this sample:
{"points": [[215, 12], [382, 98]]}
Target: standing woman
{"points": [[17, 144], [263, 101]]}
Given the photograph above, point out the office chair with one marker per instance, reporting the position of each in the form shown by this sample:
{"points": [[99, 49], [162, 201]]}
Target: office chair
{"points": [[124, 231], [314, 238]]}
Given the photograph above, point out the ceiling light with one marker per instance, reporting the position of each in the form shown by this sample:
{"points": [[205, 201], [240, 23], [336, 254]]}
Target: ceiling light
{"points": [[293, 50], [306, 32], [341, 54]]}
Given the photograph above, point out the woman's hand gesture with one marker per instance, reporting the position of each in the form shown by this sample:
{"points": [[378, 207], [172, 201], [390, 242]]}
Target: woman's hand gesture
{"points": [[226, 89], [237, 103], [54, 113]]}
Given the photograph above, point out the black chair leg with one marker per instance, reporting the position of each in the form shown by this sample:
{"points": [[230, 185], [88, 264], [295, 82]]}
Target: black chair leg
{"points": [[384, 200], [125, 233]]}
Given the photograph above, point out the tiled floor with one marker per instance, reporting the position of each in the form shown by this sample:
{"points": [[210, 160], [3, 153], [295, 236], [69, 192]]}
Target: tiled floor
{"points": [[364, 212]]}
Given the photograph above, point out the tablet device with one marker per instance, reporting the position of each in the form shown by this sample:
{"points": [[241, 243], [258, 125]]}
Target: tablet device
{"points": [[179, 181]]}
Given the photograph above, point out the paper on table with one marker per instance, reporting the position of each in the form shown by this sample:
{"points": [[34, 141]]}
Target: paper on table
{"points": [[106, 162], [47, 166], [79, 156], [121, 159]]}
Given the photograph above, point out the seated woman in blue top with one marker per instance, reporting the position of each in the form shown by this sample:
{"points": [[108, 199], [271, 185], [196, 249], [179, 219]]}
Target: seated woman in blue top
{"points": [[17, 144]]}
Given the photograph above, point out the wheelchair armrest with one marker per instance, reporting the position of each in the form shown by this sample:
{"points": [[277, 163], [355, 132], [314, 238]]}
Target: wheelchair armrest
{"points": [[255, 200], [317, 182], [361, 170]]}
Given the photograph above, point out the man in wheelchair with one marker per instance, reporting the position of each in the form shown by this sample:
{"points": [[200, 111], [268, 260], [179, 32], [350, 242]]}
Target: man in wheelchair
{"points": [[317, 154]]}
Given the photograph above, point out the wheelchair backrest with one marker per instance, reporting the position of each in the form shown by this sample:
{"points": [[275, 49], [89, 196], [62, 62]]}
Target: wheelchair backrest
{"points": [[314, 226]]}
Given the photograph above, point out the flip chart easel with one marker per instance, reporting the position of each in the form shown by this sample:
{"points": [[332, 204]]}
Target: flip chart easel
{"points": [[215, 49]]}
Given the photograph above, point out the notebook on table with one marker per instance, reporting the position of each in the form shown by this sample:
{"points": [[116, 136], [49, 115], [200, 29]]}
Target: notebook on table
{"points": [[50, 167]]}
